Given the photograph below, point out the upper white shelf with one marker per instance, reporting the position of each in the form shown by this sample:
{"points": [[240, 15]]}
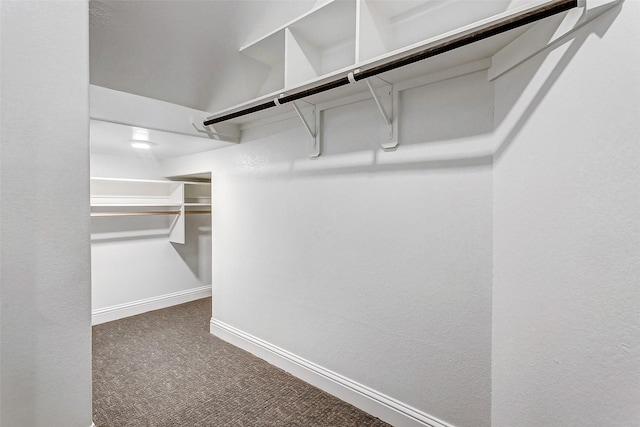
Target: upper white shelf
{"points": [[339, 36], [387, 26]]}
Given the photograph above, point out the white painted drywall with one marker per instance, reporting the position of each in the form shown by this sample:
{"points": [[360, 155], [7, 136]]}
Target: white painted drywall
{"points": [[368, 263], [44, 236], [566, 343], [132, 258]]}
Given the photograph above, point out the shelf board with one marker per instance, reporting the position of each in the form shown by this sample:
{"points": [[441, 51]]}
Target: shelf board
{"points": [[136, 205], [144, 181], [117, 214]]}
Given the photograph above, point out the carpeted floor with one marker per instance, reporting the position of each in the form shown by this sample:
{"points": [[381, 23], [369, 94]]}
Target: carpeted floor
{"points": [[163, 368]]}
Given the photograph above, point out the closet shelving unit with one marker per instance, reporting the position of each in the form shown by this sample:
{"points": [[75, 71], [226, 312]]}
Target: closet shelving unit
{"points": [[114, 197], [340, 36], [349, 44]]}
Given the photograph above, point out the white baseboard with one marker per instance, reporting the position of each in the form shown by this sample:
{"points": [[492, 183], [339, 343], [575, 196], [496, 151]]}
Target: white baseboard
{"points": [[377, 404], [120, 311]]}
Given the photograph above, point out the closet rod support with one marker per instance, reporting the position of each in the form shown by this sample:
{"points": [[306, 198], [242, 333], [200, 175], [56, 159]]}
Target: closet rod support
{"points": [[384, 114], [214, 135], [311, 132]]}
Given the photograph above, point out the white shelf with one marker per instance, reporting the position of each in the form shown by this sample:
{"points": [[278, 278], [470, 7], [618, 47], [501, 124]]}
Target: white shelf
{"points": [[134, 205], [319, 42], [140, 197], [340, 36]]}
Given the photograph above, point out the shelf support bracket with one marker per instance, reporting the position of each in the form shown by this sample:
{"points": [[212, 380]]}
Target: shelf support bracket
{"points": [[233, 136], [386, 103], [312, 128], [312, 133]]}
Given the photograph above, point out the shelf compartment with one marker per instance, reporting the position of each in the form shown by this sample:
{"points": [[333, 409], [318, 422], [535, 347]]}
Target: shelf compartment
{"points": [[388, 26], [320, 42], [267, 62], [197, 194]]}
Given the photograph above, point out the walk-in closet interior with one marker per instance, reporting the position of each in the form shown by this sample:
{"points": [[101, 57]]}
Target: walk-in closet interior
{"points": [[425, 208]]}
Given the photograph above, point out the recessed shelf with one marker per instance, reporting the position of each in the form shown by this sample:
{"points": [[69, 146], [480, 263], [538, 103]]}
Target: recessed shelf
{"points": [[268, 52], [318, 42], [386, 26], [114, 197]]}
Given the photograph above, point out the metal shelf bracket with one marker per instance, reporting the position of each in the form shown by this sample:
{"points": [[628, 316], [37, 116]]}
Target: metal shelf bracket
{"points": [[386, 98], [211, 133], [311, 126]]}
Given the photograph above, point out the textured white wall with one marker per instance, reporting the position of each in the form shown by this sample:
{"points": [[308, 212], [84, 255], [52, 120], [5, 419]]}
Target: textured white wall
{"points": [[132, 258], [44, 235], [566, 343], [370, 264]]}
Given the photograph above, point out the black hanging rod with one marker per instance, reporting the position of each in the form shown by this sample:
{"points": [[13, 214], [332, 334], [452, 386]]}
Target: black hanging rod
{"points": [[535, 14]]}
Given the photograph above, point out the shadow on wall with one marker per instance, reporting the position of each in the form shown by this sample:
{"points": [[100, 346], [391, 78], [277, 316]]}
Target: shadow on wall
{"points": [[448, 124], [549, 65], [196, 253]]}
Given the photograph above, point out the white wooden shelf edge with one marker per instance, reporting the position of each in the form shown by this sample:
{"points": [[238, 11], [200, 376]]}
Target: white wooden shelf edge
{"points": [[136, 205], [145, 181]]}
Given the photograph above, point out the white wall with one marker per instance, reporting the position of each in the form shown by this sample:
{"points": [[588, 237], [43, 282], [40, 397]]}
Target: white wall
{"points": [[378, 266], [134, 265], [567, 236], [45, 371], [373, 265]]}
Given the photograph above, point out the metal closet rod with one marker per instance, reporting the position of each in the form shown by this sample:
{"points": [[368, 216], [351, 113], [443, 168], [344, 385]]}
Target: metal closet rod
{"points": [[548, 9]]}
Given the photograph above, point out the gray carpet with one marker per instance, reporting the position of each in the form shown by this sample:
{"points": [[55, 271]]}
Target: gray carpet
{"points": [[163, 368]]}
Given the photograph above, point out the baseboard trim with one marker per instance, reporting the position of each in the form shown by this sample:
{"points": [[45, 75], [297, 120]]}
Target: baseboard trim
{"points": [[120, 311], [377, 404]]}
